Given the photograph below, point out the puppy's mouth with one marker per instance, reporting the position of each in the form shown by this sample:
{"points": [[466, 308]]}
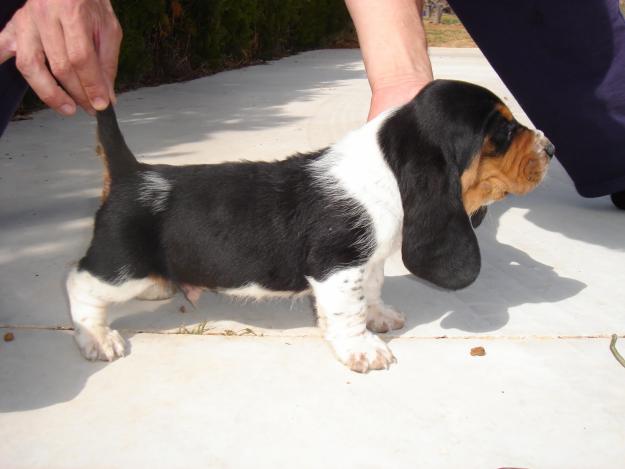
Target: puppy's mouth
{"points": [[543, 146], [536, 166], [534, 171]]}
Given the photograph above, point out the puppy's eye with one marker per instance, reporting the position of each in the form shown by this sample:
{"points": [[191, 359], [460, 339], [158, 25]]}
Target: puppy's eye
{"points": [[511, 130], [501, 137]]}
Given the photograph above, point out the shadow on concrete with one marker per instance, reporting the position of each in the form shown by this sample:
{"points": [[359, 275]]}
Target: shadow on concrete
{"points": [[41, 368], [509, 278]]}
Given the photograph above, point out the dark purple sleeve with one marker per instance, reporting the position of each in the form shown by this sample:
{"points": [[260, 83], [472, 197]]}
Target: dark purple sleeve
{"points": [[12, 84], [564, 62]]}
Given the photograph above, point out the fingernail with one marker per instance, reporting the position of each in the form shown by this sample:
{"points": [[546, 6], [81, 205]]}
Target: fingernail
{"points": [[112, 95], [67, 109], [99, 103]]}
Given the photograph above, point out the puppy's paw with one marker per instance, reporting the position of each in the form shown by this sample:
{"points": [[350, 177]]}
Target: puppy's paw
{"points": [[363, 353], [384, 318], [100, 343]]}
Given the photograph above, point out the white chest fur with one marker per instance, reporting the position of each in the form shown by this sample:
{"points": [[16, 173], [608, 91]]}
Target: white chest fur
{"points": [[356, 163]]}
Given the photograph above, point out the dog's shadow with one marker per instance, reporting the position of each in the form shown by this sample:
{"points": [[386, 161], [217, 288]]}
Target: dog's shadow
{"points": [[509, 279]]}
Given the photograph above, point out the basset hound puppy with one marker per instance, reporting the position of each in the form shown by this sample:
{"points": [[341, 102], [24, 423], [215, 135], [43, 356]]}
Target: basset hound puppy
{"points": [[321, 223]]}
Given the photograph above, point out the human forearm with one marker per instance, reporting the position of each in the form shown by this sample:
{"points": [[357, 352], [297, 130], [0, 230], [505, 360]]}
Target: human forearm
{"points": [[394, 48]]}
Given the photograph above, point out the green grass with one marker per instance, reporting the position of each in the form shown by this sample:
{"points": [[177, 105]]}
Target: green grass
{"points": [[200, 329]]}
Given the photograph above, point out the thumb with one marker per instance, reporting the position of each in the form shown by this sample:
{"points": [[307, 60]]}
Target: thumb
{"points": [[8, 44]]}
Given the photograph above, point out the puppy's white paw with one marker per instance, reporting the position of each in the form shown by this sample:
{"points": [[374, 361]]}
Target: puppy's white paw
{"points": [[384, 318], [363, 353], [100, 343]]}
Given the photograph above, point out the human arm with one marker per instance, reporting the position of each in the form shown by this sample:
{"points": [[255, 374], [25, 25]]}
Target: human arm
{"points": [[394, 49], [78, 39]]}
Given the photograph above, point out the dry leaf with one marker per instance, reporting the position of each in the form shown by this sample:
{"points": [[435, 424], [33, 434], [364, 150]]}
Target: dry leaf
{"points": [[478, 352]]}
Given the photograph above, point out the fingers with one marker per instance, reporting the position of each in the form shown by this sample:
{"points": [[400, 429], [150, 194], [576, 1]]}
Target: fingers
{"points": [[30, 61], [82, 56], [8, 44], [53, 42], [111, 39], [80, 39], [109, 53]]}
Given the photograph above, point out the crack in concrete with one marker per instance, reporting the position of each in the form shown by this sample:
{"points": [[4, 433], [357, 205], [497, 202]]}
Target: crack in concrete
{"points": [[251, 332]]}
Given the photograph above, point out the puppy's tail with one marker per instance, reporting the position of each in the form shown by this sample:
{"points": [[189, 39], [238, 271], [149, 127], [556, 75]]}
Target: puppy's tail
{"points": [[118, 159]]}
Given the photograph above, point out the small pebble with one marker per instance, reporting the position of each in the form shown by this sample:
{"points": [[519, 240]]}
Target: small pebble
{"points": [[183, 309], [8, 337], [478, 352]]}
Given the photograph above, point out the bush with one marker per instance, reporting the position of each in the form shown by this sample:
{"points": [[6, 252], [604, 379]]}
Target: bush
{"points": [[167, 40], [173, 40]]}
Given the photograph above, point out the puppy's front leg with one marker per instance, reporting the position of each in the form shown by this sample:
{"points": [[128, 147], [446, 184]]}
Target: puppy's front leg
{"points": [[342, 309], [380, 317]]}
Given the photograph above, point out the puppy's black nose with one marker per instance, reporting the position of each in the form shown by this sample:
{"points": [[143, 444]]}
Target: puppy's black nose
{"points": [[550, 149]]}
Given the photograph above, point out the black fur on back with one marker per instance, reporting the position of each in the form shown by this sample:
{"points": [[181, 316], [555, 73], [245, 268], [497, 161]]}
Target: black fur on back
{"points": [[224, 225]]}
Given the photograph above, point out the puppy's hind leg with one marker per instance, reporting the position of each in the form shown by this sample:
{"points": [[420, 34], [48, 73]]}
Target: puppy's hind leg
{"points": [[88, 298], [160, 289], [342, 310], [380, 317]]}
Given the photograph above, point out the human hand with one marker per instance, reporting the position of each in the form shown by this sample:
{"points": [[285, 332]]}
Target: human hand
{"points": [[80, 41], [394, 49], [395, 93]]}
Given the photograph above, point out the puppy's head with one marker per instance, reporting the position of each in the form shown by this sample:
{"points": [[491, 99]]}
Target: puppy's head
{"points": [[455, 148], [512, 160]]}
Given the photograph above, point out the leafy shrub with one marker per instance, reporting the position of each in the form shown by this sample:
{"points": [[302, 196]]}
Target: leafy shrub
{"points": [[167, 40], [172, 40]]}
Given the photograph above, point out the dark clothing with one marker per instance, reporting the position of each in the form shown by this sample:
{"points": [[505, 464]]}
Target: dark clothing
{"points": [[12, 84], [564, 62]]}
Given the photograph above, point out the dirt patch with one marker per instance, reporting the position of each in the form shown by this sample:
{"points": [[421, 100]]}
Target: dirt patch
{"points": [[449, 33]]}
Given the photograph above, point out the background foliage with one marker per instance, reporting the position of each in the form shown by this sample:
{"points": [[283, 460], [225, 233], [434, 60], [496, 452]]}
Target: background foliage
{"points": [[174, 40], [169, 40]]}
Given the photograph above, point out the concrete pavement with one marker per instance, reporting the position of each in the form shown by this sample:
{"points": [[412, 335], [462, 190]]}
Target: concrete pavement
{"points": [[260, 388]]}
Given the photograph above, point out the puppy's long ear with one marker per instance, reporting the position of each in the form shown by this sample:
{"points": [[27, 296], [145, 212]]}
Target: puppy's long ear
{"points": [[438, 241], [428, 143]]}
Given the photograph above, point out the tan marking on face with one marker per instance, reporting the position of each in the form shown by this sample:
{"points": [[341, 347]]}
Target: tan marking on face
{"points": [[468, 180], [504, 111], [518, 171], [470, 174]]}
